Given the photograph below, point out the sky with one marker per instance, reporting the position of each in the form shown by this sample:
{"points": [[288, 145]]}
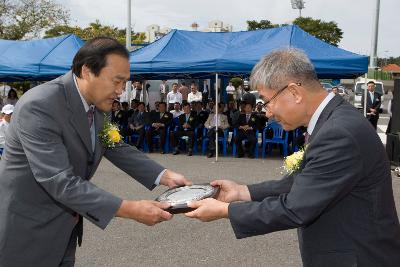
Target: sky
{"points": [[354, 17]]}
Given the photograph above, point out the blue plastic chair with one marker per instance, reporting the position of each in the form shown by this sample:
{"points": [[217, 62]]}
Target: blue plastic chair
{"points": [[221, 139], [245, 140], [296, 134], [156, 139], [182, 141], [279, 137]]}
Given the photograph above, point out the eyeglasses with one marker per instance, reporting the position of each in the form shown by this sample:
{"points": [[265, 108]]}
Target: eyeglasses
{"points": [[265, 105]]}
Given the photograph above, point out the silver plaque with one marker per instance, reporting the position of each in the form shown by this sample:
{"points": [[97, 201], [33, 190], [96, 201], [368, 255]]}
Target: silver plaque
{"points": [[180, 196]]}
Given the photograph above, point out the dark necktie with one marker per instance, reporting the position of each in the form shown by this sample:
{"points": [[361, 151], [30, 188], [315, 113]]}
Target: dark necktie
{"points": [[306, 138], [247, 118], [90, 115]]}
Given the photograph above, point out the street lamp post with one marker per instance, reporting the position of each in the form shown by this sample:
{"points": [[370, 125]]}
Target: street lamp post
{"points": [[128, 39], [374, 42], [298, 4]]}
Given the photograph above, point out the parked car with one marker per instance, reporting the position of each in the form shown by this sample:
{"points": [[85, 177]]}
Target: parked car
{"points": [[327, 86], [359, 89]]}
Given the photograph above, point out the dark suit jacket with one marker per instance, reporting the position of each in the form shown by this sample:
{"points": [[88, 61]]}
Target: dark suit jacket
{"points": [[166, 119], [45, 174], [192, 121], [341, 201], [253, 121], [136, 119], [201, 117], [376, 104]]}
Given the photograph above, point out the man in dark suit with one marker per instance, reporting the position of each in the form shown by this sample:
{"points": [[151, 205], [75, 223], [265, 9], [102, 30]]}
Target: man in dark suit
{"points": [[137, 124], [373, 104], [246, 130], [186, 127], [52, 151], [340, 199], [160, 120]]}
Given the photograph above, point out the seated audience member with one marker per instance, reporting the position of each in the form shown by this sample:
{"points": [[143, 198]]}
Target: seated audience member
{"points": [[261, 116], [186, 127], [247, 130], [137, 124], [233, 114], [116, 114], [201, 115], [6, 112], [159, 123], [222, 122], [176, 112]]}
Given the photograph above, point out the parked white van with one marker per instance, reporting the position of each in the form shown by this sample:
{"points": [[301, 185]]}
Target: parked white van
{"points": [[361, 86]]}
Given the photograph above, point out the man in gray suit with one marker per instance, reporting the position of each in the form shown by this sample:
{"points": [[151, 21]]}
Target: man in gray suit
{"points": [[341, 198], [53, 150]]}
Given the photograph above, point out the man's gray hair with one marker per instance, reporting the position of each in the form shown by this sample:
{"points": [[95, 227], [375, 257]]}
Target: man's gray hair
{"points": [[281, 67]]}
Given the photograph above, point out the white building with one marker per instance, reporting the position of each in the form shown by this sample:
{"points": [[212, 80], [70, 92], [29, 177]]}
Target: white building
{"points": [[218, 26], [154, 32]]}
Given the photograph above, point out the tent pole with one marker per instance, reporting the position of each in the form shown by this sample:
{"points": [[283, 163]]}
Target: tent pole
{"points": [[216, 117], [365, 95], [128, 40]]}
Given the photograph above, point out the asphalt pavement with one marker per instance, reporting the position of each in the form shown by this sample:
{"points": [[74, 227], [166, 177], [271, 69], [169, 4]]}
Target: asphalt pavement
{"points": [[183, 241]]}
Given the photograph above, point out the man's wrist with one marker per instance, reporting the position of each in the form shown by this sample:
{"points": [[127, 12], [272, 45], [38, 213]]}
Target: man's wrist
{"points": [[244, 193]]}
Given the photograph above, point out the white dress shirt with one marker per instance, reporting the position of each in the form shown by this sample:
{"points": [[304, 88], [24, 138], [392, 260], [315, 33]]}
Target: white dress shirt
{"points": [[3, 128], [173, 98], [197, 97], [317, 113]]}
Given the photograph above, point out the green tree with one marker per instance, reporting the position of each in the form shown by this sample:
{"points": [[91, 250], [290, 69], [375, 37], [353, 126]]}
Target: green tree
{"points": [[236, 81], [26, 19], [326, 31], [93, 30], [253, 25]]}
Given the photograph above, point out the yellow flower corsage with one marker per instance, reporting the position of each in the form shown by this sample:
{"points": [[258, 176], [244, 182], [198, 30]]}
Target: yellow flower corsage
{"points": [[110, 135], [293, 162]]}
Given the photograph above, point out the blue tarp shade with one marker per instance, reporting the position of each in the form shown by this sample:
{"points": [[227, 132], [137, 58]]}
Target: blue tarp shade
{"points": [[182, 54], [42, 59]]}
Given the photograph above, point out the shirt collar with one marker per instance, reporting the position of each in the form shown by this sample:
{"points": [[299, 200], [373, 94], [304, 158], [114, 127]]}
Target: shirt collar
{"points": [[84, 102], [317, 113]]}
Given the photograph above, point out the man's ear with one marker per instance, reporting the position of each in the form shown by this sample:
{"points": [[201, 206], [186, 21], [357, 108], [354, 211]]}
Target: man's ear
{"points": [[85, 72], [296, 92]]}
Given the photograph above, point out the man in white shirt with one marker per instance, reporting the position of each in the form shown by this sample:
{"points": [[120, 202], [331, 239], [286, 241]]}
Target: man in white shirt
{"points": [[6, 112], [231, 91], [194, 95], [174, 97]]}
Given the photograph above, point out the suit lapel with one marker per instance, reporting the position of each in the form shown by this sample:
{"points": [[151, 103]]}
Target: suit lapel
{"points": [[77, 111], [336, 101], [98, 151]]}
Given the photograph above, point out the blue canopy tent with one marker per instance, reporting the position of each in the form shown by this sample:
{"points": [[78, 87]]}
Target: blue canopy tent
{"points": [[182, 54], [188, 54], [42, 59]]}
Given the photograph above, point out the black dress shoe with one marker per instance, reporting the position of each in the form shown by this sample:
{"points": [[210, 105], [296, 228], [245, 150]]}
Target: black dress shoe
{"points": [[239, 155], [251, 156], [162, 152], [210, 154], [190, 153], [175, 152]]}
